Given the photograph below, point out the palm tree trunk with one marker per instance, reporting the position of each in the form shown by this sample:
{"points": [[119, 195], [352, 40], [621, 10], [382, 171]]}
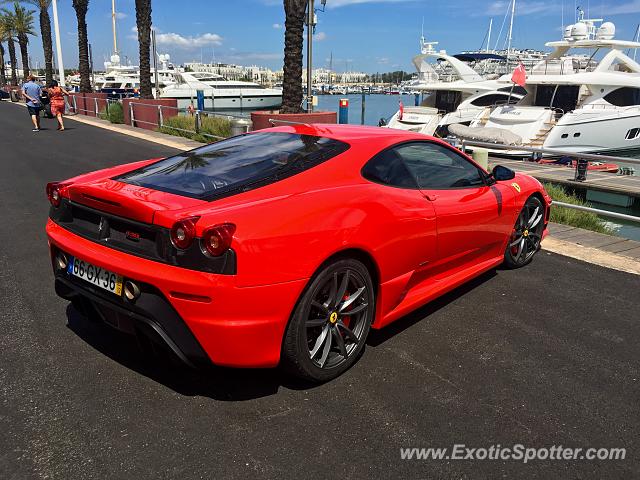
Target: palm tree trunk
{"points": [[81, 7], [13, 60], [143, 22], [3, 75], [47, 44], [23, 42], [293, 43]]}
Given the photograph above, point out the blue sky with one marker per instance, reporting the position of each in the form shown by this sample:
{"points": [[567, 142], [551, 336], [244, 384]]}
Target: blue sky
{"points": [[366, 35]]}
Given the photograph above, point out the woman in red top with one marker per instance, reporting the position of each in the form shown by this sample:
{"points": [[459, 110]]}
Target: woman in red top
{"points": [[56, 96]]}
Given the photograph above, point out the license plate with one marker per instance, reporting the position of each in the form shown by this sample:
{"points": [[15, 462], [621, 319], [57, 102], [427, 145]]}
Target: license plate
{"points": [[97, 276]]}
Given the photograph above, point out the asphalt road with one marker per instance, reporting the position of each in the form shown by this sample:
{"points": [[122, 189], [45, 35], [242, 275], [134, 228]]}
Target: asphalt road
{"points": [[545, 355]]}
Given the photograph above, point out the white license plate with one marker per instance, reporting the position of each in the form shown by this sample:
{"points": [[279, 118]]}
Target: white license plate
{"points": [[97, 276]]}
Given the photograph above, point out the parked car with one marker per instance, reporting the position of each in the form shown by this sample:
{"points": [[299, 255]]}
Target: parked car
{"points": [[286, 245]]}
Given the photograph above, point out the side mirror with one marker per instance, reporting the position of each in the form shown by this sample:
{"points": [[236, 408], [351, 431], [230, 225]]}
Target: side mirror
{"points": [[501, 173]]}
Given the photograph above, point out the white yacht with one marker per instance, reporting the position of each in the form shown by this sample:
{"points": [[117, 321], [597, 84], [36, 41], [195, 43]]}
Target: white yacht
{"points": [[573, 105], [124, 80], [220, 93], [455, 98]]}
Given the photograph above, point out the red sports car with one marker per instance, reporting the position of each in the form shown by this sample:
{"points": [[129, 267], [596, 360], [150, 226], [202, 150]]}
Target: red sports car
{"points": [[285, 246]]}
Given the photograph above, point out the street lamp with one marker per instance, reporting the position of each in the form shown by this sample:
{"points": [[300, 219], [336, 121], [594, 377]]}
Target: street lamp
{"points": [[311, 25], [58, 46]]}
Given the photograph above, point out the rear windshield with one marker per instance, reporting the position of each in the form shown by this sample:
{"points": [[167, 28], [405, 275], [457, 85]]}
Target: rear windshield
{"points": [[235, 165]]}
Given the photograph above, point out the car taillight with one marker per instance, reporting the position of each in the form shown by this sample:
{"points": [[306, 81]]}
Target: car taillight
{"points": [[53, 192], [217, 239], [183, 232]]}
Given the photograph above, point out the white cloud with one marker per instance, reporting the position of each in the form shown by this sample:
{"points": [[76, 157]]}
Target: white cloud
{"points": [[345, 3], [277, 26], [624, 8], [180, 41], [121, 15], [318, 37], [500, 7]]}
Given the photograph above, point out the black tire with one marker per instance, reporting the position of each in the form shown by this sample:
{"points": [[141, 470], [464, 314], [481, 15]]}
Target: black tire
{"points": [[329, 326], [526, 236]]}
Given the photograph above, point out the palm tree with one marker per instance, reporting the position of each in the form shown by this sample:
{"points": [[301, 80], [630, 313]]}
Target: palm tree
{"points": [[294, 11], [8, 34], [45, 33], [23, 25], [143, 22], [3, 75], [81, 7]]}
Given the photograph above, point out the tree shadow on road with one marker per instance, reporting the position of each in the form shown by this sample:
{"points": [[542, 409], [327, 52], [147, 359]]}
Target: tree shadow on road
{"points": [[225, 384]]}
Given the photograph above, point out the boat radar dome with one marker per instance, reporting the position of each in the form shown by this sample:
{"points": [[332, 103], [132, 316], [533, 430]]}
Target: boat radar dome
{"points": [[115, 59], [568, 32], [606, 31], [580, 31]]}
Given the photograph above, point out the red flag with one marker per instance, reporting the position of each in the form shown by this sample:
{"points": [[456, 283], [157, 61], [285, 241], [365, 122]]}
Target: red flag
{"points": [[519, 75], [401, 112]]}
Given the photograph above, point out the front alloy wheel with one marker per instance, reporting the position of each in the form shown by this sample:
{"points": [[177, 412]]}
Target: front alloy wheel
{"points": [[526, 235], [330, 324]]}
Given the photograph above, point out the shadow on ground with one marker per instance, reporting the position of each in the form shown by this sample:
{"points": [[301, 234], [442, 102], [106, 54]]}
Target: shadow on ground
{"points": [[226, 384]]}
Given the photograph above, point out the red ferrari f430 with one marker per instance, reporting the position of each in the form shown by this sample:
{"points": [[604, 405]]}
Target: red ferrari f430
{"points": [[286, 245]]}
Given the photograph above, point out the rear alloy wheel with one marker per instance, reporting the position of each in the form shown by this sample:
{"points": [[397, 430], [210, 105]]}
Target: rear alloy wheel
{"points": [[330, 324], [526, 236]]}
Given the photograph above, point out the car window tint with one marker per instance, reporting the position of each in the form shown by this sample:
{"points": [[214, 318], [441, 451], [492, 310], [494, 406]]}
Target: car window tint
{"points": [[236, 164], [389, 169], [437, 167]]}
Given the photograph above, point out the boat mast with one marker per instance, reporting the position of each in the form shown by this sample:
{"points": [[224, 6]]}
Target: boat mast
{"points": [[489, 34], [113, 26], [513, 13]]}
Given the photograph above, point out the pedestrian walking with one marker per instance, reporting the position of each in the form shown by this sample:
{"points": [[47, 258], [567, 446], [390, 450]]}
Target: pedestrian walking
{"points": [[56, 98], [31, 92]]}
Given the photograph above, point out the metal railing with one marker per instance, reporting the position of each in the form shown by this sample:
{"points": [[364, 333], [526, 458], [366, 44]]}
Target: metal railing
{"points": [[573, 155], [550, 152], [597, 211], [100, 107]]}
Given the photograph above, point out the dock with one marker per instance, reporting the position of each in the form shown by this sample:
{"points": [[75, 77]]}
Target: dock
{"points": [[604, 187]]}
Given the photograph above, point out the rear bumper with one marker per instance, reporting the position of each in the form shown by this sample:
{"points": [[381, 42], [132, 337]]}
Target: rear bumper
{"points": [[206, 317]]}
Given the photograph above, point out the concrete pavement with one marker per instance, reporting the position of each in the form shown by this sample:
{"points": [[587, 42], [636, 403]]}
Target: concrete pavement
{"points": [[545, 355]]}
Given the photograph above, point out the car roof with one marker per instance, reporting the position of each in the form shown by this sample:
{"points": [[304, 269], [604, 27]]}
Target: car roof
{"points": [[350, 133]]}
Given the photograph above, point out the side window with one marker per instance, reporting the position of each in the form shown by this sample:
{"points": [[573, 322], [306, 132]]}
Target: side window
{"points": [[436, 167], [388, 168]]}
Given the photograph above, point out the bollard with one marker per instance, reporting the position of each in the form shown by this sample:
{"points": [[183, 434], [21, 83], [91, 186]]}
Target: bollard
{"points": [[95, 105], [160, 119], [481, 157], [582, 166], [131, 113], [343, 112], [106, 109], [363, 108], [200, 99], [197, 121], [75, 105], [417, 99], [240, 126]]}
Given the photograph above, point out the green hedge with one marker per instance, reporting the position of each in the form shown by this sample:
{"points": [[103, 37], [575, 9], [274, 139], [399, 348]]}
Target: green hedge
{"points": [[216, 126], [115, 115], [574, 218]]}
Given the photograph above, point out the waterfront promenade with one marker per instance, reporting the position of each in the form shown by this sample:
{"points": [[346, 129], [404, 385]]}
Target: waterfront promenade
{"points": [[541, 356]]}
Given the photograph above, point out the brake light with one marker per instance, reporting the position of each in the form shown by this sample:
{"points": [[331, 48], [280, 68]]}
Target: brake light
{"points": [[217, 239], [183, 232], [53, 192]]}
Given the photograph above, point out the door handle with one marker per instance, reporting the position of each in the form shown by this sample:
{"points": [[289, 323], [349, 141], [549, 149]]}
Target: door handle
{"points": [[431, 196]]}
